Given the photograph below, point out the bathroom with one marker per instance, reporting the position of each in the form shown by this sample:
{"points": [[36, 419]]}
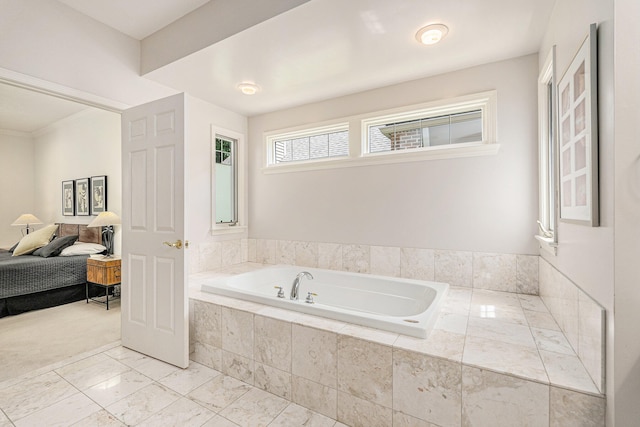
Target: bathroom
{"points": [[468, 221]]}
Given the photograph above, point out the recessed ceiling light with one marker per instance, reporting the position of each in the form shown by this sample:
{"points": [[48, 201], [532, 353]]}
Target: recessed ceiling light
{"points": [[248, 88], [431, 34]]}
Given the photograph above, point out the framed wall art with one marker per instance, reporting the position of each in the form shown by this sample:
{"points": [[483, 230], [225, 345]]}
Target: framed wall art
{"points": [[578, 132], [68, 198], [83, 196], [98, 194]]}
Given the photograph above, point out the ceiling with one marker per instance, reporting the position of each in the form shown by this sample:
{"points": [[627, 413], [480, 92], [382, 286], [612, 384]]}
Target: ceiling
{"points": [[329, 48], [324, 49], [138, 18]]}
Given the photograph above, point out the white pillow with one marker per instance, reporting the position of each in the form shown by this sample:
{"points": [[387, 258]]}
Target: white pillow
{"points": [[81, 248], [35, 240]]}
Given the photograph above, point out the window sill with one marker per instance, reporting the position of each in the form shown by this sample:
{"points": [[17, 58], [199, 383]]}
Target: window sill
{"points": [[225, 229], [547, 244], [433, 153]]}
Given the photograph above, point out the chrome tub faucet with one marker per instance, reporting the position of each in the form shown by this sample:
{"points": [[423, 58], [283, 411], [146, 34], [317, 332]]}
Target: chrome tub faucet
{"points": [[296, 284]]}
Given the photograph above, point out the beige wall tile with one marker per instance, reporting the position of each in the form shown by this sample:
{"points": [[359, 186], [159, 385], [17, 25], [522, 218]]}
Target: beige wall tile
{"points": [[306, 254], [330, 256], [285, 252], [237, 332], [273, 380], [490, 399], [252, 255], [356, 258], [244, 250], [210, 255], [207, 323], [417, 263], [314, 355], [231, 252], [385, 261], [591, 349], [238, 367], [572, 409], [314, 396], [365, 370], [494, 271], [427, 388], [527, 274], [207, 355], [454, 268], [272, 342], [362, 413], [266, 251]]}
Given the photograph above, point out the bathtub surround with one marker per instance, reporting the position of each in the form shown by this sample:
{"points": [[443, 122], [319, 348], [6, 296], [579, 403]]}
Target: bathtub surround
{"points": [[581, 319], [517, 273], [570, 309], [479, 366]]}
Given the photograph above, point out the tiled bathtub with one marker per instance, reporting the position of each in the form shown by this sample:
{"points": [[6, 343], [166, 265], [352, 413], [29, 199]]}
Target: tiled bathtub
{"points": [[492, 356]]}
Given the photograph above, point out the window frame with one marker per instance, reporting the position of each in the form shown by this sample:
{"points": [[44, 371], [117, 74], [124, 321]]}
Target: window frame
{"points": [[548, 166], [241, 225], [233, 154], [486, 102], [357, 127], [272, 137]]}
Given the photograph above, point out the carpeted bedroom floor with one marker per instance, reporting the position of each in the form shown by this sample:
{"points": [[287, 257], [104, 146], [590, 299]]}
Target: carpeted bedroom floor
{"points": [[39, 338]]}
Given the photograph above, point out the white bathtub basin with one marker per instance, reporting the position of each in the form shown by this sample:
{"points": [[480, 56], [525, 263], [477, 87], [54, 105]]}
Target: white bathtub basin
{"points": [[403, 306]]}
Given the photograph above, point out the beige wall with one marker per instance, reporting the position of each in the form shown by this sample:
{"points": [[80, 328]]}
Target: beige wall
{"points": [[200, 117], [16, 185], [483, 204], [585, 254], [48, 40], [626, 359], [84, 145]]}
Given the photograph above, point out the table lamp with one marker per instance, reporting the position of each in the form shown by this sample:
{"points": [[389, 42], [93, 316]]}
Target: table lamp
{"points": [[107, 220], [28, 220]]}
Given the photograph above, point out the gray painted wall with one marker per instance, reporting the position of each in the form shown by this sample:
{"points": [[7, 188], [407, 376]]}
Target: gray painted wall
{"points": [[485, 204]]}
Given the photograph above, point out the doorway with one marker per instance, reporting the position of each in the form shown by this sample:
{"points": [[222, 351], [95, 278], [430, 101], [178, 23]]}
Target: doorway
{"points": [[46, 138]]}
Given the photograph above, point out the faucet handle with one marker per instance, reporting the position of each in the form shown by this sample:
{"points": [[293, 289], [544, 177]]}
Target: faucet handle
{"points": [[280, 291], [309, 299]]}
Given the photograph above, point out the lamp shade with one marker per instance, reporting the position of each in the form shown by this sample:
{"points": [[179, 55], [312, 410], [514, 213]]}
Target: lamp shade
{"points": [[104, 219], [26, 219]]}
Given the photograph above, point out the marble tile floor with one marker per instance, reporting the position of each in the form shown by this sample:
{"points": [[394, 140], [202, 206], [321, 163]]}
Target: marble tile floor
{"points": [[115, 386]]}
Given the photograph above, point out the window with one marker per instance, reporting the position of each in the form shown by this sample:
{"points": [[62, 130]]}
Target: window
{"points": [[225, 179], [458, 123], [228, 182], [547, 120], [465, 126], [426, 132], [308, 145]]}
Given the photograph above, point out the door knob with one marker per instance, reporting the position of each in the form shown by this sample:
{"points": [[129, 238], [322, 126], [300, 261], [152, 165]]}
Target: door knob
{"points": [[177, 244]]}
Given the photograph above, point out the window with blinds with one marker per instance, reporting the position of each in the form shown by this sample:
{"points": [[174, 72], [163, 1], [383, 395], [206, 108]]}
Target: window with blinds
{"points": [[309, 145]]}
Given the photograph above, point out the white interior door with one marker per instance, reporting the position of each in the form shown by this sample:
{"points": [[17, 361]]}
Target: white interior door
{"points": [[155, 316]]}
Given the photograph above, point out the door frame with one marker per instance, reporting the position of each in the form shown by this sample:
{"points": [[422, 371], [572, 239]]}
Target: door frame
{"points": [[46, 87]]}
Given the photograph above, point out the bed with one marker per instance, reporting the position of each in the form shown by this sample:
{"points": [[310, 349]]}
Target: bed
{"points": [[29, 282]]}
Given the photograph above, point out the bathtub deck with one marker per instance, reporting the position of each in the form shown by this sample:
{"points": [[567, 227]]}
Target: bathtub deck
{"points": [[504, 333]]}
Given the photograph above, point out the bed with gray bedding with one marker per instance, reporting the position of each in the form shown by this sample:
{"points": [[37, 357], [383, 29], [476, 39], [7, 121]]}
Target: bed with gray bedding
{"points": [[31, 282]]}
